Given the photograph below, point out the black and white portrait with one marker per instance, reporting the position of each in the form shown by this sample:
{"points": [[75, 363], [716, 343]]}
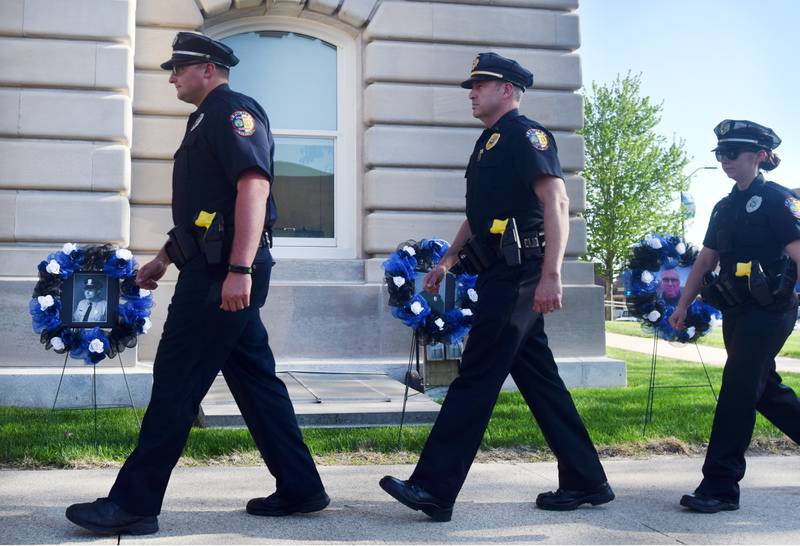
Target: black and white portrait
{"points": [[90, 298]]}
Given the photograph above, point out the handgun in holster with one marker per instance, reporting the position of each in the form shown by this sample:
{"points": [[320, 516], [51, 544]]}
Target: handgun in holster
{"points": [[510, 244], [785, 281], [757, 282], [213, 235], [182, 245]]}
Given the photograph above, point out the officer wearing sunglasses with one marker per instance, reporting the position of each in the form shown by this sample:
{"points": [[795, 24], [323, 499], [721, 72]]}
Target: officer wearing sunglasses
{"points": [[754, 236]]}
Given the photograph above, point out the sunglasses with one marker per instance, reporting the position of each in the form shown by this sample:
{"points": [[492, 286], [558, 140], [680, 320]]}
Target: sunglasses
{"points": [[178, 69], [731, 154]]}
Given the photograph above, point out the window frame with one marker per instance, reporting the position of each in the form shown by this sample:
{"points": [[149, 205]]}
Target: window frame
{"points": [[343, 244]]}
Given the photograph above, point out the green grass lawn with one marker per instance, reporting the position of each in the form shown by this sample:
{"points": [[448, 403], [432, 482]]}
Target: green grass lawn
{"points": [[713, 339], [32, 438]]}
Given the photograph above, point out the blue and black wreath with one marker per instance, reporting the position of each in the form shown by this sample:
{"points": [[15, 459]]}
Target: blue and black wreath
{"points": [[429, 325], [89, 344], [643, 290]]}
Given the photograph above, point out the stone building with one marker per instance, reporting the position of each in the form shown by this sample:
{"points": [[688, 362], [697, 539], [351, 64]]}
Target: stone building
{"points": [[373, 135]]}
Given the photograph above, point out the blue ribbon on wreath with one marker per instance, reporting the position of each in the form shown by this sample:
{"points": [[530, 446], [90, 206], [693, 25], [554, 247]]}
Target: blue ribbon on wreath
{"points": [[412, 308], [89, 344], [643, 295]]}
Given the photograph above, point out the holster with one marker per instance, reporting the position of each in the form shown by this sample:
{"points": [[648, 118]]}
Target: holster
{"points": [[182, 245], [721, 292], [476, 256], [510, 244], [214, 240], [759, 285]]}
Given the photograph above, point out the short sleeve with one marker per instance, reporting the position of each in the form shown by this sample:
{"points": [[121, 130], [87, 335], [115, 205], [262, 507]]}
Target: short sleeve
{"points": [[535, 154], [241, 142], [785, 220]]}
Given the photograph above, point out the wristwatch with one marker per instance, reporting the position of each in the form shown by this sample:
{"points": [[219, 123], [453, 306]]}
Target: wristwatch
{"points": [[233, 268]]}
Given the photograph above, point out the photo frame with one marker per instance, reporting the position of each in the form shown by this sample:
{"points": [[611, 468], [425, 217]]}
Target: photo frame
{"points": [[445, 299], [90, 299]]}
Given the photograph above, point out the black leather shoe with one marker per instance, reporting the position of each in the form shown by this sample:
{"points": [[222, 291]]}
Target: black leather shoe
{"points": [[568, 499], [276, 506], [105, 517], [707, 505], [417, 498]]}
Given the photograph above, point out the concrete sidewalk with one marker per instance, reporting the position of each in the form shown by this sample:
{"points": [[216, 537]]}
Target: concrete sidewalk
{"points": [[711, 355], [205, 505]]}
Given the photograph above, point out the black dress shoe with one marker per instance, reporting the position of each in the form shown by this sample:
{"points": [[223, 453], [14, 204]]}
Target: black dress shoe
{"points": [[277, 506], [707, 505], [417, 498], [568, 499], [105, 517]]}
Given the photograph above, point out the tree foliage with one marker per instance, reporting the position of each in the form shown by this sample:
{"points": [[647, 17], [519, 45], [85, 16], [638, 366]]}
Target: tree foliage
{"points": [[633, 176]]}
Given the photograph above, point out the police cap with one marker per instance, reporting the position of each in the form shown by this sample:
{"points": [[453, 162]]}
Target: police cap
{"points": [[92, 284], [741, 133], [193, 47], [491, 66]]}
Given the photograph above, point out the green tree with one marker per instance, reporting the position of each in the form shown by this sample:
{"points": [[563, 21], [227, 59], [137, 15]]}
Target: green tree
{"points": [[632, 174]]}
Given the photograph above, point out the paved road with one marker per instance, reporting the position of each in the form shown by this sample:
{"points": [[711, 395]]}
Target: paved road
{"points": [[204, 505], [710, 355]]}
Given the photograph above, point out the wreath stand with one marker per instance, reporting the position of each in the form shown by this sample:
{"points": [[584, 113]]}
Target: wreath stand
{"points": [[413, 361], [94, 406], [652, 386]]}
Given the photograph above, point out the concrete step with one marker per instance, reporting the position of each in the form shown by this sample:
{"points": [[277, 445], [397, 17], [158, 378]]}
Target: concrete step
{"points": [[330, 400]]}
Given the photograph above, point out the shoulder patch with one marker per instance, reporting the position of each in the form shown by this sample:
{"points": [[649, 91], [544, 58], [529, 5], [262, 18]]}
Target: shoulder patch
{"points": [[243, 123], [793, 205], [538, 139]]}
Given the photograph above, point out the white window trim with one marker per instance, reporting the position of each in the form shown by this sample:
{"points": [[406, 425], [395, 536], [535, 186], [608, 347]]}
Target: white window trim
{"points": [[345, 197]]}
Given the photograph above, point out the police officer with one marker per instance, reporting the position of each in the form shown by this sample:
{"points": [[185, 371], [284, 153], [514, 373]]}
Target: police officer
{"points": [[221, 196], [92, 308], [513, 177], [753, 233]]}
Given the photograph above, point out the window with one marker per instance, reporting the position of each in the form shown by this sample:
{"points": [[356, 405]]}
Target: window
{"points": [[305, 80]]}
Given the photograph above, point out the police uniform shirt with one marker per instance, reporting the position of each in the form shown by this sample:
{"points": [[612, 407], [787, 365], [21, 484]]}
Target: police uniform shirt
{"points": [[754, 224], [227, 135], [96, 313], [506, 161]]}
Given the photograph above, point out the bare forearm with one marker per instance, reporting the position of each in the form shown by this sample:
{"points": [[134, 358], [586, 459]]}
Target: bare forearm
{"points": [[706, 261], [251, 209], [793, 250], [451, 256], [554, 199]]}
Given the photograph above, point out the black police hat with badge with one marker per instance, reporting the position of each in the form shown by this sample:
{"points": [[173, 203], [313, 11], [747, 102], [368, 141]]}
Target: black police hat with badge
{"points": [[193, 47], [491, 66], [740, 135]]}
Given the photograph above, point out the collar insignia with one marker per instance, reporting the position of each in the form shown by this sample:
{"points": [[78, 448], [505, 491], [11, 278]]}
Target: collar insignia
{"points": [[197, 121]]}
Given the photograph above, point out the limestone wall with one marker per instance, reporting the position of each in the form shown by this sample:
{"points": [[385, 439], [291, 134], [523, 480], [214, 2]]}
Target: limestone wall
{"points": [[65, 124]]}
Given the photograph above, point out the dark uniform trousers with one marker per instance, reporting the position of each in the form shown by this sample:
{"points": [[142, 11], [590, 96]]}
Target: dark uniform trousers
{"points": [[506, 337], [199, 339], [753, 337]]}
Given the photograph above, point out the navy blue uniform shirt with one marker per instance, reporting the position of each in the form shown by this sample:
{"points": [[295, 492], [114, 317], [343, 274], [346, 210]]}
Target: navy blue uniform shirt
{"points": [[227, 135], [754, 224], [506, 161]]}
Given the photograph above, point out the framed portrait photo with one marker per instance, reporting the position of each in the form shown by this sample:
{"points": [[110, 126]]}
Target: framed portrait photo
{"points": [[89, 299]]}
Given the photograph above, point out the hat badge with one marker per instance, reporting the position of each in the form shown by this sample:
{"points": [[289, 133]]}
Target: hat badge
{"points": [[475, 61], [724, 127]]}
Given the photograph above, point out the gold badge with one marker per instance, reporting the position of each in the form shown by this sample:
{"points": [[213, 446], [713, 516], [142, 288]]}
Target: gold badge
{"points": [[475, 62], [492, 141]]}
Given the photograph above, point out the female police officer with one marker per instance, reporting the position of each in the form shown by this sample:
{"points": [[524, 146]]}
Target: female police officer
{"points": [[754, 234]]}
